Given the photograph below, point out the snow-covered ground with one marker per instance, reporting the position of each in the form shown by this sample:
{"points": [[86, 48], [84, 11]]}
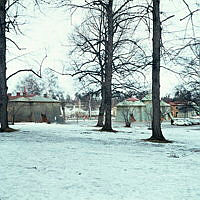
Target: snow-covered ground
{"points": [[77, 162]]}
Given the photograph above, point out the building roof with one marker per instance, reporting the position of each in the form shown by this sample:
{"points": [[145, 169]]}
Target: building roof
{"points": [[130, 103], [176, 103], [132, 99], [18, 96], [35, 98]]}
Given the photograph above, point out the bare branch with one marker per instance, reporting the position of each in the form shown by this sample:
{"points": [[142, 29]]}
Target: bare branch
{"points": [[30, 70], [15, 44], [167, 18], [23, 70]]}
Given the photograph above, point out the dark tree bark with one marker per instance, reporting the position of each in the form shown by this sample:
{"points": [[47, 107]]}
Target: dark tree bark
{"points": [[108, 69], [3, 82], [156, 124], [101, 115]]}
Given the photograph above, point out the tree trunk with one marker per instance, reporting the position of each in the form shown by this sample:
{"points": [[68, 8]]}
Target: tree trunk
{"points": [[128, 124], [100, 116], [156, 124], [63, 110], [108, 69], [13, 119], [3, 82]]}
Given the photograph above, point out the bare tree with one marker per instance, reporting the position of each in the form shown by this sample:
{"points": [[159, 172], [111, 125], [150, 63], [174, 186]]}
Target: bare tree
{"points": [[89, 41], [127, 114], [187, 55], [108, 66], [114, 57], [156, 121], [8, 22], [3, 83]]}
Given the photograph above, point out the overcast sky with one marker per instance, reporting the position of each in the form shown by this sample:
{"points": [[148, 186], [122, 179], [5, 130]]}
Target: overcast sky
{"points": [[44, 34], [47, 33]]}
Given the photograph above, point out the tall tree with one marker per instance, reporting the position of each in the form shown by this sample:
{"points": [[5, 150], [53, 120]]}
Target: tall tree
{"points": [[108, 67], [8, 22], [107, 52], [3, 83], [156, 123]]}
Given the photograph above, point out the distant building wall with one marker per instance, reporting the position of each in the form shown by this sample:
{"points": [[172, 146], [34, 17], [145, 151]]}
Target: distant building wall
{"points": [[136, 111], [31, 111], [141, 111], [180, 110]]}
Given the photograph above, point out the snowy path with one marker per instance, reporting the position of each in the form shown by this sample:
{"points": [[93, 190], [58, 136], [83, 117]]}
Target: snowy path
{"points": [[75, 162]]}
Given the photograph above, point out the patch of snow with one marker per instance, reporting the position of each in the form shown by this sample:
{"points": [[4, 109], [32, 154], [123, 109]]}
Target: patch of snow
{"points": [[75, 161]]}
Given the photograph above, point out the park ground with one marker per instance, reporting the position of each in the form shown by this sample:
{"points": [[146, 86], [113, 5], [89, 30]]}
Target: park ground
{"points": [[75, 161]]}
